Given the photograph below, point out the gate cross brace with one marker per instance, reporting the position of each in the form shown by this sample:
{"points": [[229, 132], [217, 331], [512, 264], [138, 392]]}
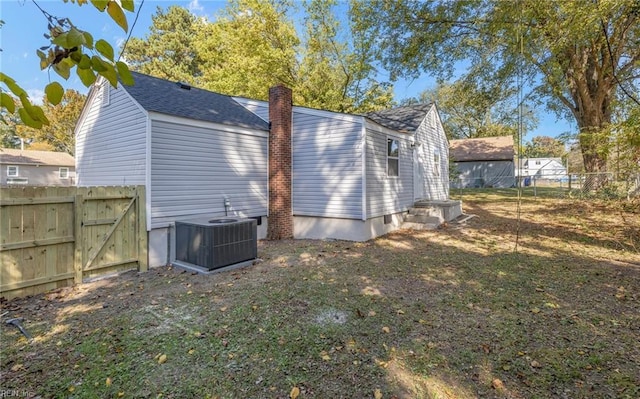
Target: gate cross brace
{"points": [[113, 228]]}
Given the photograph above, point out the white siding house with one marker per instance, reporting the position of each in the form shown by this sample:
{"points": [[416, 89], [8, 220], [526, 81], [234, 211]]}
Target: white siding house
{"points": [[352, 176], [36, 168], [543, 168], [192, 149], [342, 187]]}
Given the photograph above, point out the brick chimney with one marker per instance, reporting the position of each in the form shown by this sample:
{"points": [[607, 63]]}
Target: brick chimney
{"points": [[280, 201]]}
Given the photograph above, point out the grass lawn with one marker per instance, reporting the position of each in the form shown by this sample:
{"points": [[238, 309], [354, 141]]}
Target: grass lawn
{"points": [[452, 313]]}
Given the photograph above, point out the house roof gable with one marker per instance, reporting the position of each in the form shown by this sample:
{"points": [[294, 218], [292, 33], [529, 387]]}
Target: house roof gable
{"points": [[172, 98], [11, 156], [402, 119], [482, 149]]}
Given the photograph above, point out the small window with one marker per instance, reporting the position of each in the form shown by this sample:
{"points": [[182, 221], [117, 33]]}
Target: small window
{"points": [[12, 171], [18, 180], [436, 164], [537, 162], [392, 157], [63, 173]]}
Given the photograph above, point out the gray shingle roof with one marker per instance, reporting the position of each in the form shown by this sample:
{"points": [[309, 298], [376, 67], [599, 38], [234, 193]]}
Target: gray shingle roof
{"points": [[51, 158], [167, 97], [403, 119], [482, 149]]}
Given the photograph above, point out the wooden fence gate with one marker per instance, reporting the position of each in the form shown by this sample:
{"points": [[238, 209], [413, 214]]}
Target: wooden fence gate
{"points": [[52, 237]]}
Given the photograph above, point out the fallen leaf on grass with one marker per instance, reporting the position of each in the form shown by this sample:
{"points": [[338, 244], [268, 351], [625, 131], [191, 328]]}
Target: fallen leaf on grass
{"points": [[382, 363], [535, 310], [535, 364], [386, 329], [497, 384], [17, 367], [400, 311], [325, 356], [162, 359], [295, 392], [377, 394], [108, 382], [372, 313]]}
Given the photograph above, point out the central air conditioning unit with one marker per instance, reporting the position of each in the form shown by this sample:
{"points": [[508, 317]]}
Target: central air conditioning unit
{"points": [[215, 243]]}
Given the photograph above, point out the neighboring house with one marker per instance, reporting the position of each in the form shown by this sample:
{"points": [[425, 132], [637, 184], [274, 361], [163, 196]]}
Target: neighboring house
{"points": [[543, 168], [36, 168], [301, 172], [483, 162]]}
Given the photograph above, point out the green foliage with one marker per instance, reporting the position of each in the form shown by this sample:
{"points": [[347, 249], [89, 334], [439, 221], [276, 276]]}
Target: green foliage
{"points": [[572, 48], [169, 49], [253, 45], [334, 75], [250, 47], [544, 147], [58, 135], [470, 110], [8, 136], [68, 49]]}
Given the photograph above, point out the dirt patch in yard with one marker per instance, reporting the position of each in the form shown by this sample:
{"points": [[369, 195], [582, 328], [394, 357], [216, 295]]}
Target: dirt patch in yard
{"points": [[451, 313]]}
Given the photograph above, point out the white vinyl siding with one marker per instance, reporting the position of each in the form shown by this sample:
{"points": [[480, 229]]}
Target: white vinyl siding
{"points": [[327, 161], [260, 108], [434, 147], [111, 141], [385, 194], [327, 165], [195, 168]]}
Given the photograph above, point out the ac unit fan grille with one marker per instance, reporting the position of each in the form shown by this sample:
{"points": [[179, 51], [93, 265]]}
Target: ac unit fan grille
{"points": [[214, 245]]}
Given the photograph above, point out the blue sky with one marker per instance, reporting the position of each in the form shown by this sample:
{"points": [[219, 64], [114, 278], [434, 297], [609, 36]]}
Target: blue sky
{"points": [[25, 25]]}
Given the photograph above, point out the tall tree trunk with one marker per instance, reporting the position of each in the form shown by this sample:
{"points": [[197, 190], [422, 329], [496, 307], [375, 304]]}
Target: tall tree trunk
{"points": [[591, 86]]}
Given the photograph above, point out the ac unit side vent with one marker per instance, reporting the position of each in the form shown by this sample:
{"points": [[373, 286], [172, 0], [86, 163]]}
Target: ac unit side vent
{"points": [[215, 243]]}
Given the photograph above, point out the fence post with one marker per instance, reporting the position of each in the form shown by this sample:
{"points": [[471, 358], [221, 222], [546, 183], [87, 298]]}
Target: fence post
{"points": [[78, 261], [143, 240]]}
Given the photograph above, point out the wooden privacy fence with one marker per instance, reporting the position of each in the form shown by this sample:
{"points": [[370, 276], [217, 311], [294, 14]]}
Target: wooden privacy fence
{"points": [[51, 237]]}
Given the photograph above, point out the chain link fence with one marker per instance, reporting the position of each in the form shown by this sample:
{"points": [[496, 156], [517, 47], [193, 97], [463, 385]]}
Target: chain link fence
{"points": [[579, 185]]}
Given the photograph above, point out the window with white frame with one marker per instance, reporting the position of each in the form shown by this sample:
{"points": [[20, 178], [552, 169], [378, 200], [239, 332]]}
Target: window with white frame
{"points": [[12, 171], [436, 164], [393, 152], [63, 173]]}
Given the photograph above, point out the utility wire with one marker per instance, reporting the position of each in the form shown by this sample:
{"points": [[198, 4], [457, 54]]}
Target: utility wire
{"points": [[613, 65], [520, 84], [124, 46]]}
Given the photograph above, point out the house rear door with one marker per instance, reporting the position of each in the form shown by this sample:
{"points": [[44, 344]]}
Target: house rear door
{"points": [[419, 173]]}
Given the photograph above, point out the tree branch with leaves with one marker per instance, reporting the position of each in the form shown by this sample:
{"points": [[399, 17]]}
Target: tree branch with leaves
{"points": [[70, 48]]}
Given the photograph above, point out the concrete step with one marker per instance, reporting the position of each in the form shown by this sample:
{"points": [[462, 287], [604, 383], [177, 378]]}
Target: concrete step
{"points": [[448, 209], [426, 211], [419, 226], [425, 219]]}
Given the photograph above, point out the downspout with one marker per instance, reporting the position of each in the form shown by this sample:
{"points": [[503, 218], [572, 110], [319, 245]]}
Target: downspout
{"points": [[363, 145]]}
